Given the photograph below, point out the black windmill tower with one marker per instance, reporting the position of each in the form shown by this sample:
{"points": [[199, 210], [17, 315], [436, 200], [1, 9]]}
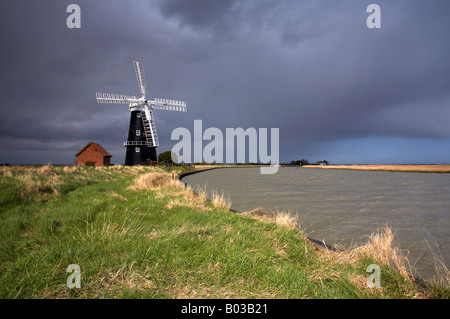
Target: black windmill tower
{"points": [[142, 137]]}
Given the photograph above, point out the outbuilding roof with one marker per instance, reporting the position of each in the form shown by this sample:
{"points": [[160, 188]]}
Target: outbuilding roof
{"points": [[98, 147]]}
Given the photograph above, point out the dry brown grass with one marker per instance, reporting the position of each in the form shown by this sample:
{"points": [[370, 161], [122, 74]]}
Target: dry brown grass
{"points": [[32, 183], [287, 220], [155, 181], [12, 170], [115, 195], [126, 278], [219, 200], [442, 274], [42, 181], [380, 247], [69, 169], [187, 198], [132, 170], [280, 218], [216, 199], [391, 168], [168, 185], [46, 170]]}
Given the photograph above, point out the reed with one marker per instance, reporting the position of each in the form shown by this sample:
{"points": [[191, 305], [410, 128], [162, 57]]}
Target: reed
{"points": [[444, 168], [220, 201], [442, 273], [381, 247]]}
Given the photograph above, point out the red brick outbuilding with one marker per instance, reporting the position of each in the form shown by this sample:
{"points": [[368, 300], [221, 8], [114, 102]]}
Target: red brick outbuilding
{"points": [[93, 155]]}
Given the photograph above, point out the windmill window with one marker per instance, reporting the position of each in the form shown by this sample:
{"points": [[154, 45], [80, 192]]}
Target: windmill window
{"points": [[137, 149], [138, 115], [138, 132]]}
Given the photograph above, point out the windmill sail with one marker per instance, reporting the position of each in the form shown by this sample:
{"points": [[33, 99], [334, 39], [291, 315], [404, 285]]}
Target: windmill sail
{"points": [[139, 68], [113, 98], [169, 105]]}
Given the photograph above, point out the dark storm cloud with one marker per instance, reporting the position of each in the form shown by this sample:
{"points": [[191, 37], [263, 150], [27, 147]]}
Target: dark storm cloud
{"points": [[311, 68], [203, 15], [315, 63]]}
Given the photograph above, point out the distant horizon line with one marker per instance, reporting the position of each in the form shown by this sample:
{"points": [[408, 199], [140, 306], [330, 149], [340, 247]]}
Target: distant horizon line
{"points": [[200, 163]]}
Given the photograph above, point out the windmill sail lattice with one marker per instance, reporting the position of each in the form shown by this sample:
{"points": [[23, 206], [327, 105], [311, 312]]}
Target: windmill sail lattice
{"points": [[142, 135], [139, 68]]}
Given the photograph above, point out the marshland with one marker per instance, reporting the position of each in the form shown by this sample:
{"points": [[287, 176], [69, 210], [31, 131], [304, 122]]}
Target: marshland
{"points": [[138, 232], [441, 168]]}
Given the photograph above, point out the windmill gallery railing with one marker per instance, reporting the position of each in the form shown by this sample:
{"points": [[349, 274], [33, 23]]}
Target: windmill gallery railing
{"points": [[135, 143]]}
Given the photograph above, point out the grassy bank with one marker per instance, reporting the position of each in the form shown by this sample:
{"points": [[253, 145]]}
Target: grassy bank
{"points": [[136, 232], [390, 168]]}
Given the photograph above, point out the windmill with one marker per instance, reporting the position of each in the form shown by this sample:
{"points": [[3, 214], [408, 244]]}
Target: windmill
{"points": [[142, 137]]}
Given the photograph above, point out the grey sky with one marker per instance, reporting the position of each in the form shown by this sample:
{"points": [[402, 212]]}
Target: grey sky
{"points": [[311, 68]]}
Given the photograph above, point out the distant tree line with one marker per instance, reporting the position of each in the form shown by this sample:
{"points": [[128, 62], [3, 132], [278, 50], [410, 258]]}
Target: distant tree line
{"points": [[166, 158], [306, 162], [299, 162]]}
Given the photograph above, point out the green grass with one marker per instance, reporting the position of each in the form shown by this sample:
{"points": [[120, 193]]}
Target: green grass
{"points": [[158, 243]]}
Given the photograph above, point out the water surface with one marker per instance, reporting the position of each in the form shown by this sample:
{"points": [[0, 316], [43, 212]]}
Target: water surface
{"points": [[344, 207]]}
